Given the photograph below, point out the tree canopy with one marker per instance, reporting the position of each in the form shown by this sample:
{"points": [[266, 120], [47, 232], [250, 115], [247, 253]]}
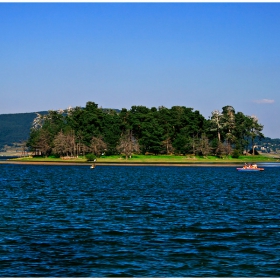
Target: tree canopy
{"points": [[178, 130]]}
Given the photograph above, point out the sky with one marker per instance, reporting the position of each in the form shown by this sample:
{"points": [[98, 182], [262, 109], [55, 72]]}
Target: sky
{"points": [[200, 55]]}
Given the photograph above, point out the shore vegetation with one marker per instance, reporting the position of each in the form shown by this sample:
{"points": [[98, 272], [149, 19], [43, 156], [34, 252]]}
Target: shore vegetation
{"points": [[141, 132], [150, 159]]}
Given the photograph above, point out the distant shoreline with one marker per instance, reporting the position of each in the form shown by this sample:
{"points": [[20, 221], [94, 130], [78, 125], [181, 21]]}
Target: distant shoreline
{"points": [[141, 160], [187, 164]]}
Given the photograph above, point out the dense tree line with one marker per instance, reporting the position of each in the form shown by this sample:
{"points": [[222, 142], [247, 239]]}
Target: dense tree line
{"points": [[178, 130]]}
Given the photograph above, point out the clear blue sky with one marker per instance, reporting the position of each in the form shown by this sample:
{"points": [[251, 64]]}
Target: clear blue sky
{"points": [[199, 55]]}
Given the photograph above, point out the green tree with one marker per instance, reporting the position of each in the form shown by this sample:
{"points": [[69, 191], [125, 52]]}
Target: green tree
{"points": [[178, 129], [111, 131], [255, 130], [242, 131], [229, 125]]}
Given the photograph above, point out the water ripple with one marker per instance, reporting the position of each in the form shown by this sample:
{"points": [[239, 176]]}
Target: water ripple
{"points": [[71, 221]]}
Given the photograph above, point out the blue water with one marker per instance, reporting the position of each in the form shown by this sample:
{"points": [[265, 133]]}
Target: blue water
{"points": [[73, 221]]}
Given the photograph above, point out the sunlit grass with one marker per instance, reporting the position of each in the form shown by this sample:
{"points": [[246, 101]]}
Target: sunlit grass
{"points": [[155, 159], [188, 158]]}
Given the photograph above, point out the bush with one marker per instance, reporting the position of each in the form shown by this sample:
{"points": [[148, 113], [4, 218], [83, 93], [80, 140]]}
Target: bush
{"points": [[235, 154], [90, 157], [54, 156]]}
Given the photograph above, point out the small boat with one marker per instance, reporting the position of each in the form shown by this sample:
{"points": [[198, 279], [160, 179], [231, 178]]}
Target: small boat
{"points": [[250, 167]]}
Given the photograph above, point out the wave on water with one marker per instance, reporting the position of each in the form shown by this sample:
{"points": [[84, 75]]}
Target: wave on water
{"points": [[140, 221]]}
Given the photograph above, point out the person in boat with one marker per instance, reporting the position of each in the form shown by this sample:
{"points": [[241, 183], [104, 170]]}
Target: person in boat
{"points": [[250, 166]]}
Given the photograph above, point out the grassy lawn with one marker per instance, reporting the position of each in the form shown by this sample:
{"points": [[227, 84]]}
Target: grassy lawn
{"points": [[181, 159], [156, 159]]}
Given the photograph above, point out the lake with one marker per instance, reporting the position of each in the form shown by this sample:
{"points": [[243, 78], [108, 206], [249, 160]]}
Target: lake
{"points": [[140, 221]]}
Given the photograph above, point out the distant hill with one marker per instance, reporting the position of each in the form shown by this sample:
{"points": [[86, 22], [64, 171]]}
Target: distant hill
{"points": [[15, 128], [268, 145]]}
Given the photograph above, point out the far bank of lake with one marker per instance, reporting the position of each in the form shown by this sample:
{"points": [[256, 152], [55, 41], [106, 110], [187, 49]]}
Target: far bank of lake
{"points": [[151, 160]]}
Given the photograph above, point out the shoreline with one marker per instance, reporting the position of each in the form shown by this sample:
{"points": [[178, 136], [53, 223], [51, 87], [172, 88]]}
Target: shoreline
{"points": [[175, 164]]}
